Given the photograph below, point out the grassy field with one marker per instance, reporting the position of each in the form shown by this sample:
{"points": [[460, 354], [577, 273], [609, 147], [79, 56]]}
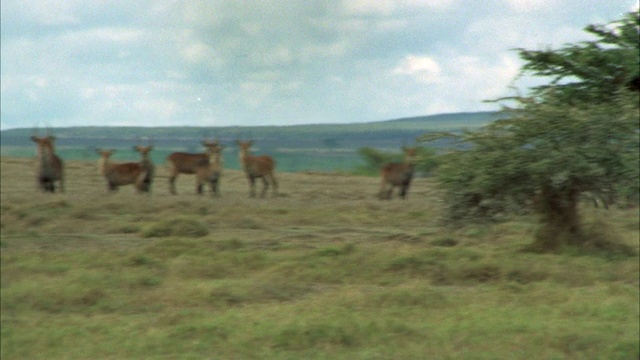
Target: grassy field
{"points": [[323, 271]]}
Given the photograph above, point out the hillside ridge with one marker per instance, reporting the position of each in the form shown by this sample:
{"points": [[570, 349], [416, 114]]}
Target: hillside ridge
{"points": [[319, 147], [480, 117]]}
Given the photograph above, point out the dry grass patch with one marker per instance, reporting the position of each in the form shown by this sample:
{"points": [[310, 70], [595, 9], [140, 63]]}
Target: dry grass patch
{"points": [[180, 227]]}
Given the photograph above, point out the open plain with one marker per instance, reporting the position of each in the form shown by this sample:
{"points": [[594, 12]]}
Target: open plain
{"points": [[325, 270]]}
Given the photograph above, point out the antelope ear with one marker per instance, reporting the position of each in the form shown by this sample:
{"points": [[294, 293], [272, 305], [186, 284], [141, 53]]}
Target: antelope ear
{"points": [[34, 138]]}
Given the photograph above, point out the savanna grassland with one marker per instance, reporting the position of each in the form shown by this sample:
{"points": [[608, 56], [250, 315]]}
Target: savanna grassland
{"points": [[323, 271]]}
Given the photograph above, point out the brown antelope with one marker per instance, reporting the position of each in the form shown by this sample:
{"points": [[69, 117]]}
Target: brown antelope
{"points": [[210, 172], [49, 167], [121, 174], [199, 164], [147, 164], [398, 174], [257, 167]]}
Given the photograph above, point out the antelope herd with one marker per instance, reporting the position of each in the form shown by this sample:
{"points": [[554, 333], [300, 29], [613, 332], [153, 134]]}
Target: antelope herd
{"points": [[206, 166]]}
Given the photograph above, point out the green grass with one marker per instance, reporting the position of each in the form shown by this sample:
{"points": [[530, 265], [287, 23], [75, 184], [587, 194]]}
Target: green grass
{"points": [[325, 271]]}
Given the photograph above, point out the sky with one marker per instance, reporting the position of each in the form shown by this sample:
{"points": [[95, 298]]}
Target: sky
{"points": [[246, 63]]}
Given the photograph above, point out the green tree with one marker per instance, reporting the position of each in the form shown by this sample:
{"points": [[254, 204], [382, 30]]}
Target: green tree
{"points": [[578, 133]]}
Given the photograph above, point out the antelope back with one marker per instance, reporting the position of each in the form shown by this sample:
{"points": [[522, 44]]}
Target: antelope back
{"points": [[126, 173], [261, 165], [186, 163], [400, 173], [397, 173], [119, 173]]}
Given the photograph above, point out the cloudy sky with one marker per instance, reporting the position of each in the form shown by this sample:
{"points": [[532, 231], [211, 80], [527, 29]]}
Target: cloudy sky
{"points": [[235, 62]]}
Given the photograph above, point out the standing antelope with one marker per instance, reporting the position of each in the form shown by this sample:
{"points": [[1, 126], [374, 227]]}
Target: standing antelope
{"points": [[49, 167], [147, 164], [398, 174], [124, 173], [210, 172], [199, 164], [257, 167]]}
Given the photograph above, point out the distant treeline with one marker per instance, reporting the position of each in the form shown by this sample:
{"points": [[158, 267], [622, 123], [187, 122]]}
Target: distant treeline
{"points": [[322, 147]]}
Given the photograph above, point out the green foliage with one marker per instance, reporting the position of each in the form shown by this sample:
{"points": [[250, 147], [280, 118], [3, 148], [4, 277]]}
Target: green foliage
{"points": [[557, 143], [590, 71], [374, 159]]}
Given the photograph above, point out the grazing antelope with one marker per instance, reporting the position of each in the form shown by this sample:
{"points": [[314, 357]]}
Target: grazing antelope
{"points": [[398, 174], [257, 167], [186, 163], [124, 173], [49, 167]]}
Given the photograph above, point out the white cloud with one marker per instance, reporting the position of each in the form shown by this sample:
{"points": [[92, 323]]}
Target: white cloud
{"points": [[163, 109], [449, 84], [482, 79], [369, 6], [530, 5], [254, 93], [110, 34], [386, 7], [242, 62], [335, 49], [277, 56], [423, 68], [199, 53], [198, 13], [43, 12]]}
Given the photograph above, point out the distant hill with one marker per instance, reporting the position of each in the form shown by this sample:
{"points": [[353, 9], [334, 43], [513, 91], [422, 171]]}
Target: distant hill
{"points": [[317, 147]]}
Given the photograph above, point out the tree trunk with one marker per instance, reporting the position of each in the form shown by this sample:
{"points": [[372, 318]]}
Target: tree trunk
{"points": [[560, 222]]}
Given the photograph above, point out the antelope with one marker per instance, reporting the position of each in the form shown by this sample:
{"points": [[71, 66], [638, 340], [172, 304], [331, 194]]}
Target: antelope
{"points": [[199, 164], [210, 172], [257, 167], [49, 167], [138, 174], [147, 164], [398, 174]]}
